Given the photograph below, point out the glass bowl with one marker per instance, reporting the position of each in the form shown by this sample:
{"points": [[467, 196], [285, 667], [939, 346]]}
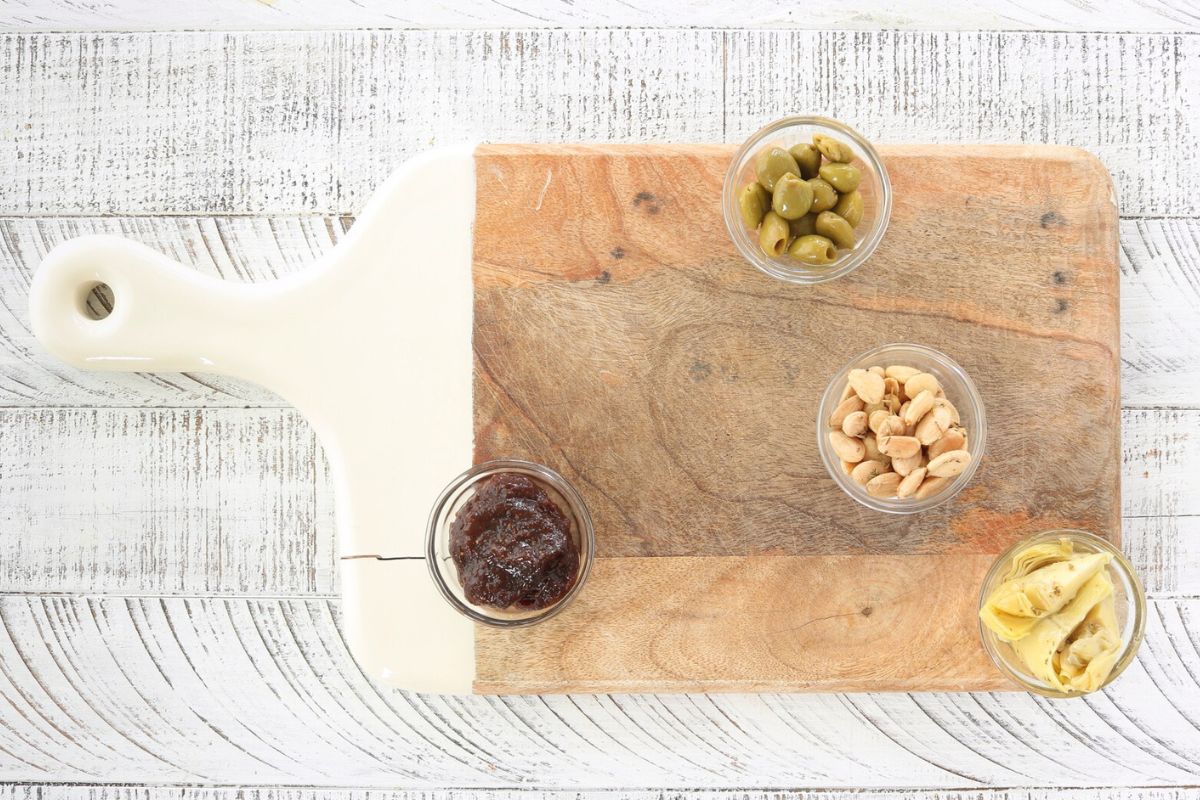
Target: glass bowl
{"points": [[437, 543], [960, 390], [875, 188], [1128, 595]]}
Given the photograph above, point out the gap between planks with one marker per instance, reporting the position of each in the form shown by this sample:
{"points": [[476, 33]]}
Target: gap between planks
{"points": [[68, 790], [1007, 15], [239, 501], [345, 107], [1160, 288], [180, 691]]}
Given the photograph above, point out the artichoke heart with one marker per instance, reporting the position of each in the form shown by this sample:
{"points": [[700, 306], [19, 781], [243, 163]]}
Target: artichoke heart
{"points": [[1091, 651], [1047, 647], [1038, 556], [1016, 606]]}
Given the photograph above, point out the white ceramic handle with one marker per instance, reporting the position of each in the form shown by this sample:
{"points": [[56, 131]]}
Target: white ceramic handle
{"points": [[165, 317], [372, 343]]}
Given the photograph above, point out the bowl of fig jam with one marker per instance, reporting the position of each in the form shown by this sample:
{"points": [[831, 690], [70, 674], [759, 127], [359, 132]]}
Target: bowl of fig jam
{"points": [[509, 543]]}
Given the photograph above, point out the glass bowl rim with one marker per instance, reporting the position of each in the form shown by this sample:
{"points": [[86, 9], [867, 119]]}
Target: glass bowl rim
{"points": [[577, 508], [988, 639], [804, 274], [976, 446]]}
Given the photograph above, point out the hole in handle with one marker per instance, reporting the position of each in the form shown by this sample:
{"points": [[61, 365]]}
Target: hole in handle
{"points": [[96, 300]]}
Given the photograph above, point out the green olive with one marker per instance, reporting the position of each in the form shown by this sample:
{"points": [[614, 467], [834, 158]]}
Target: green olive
{"points": [[816, 250], [772, 164], [833, 149], [825, 196], [843, 177], [773, 235], [805, 226], [792, 198], [835, 229], [809, 159], [753, 201], [850, 208]]}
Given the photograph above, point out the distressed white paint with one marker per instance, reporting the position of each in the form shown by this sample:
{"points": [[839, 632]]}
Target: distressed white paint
{"points": [[1160, 290], [163, 501], [238, 501], [184, 501], [312, 122], [188, 690], [1131, 100], [1120, 15]]}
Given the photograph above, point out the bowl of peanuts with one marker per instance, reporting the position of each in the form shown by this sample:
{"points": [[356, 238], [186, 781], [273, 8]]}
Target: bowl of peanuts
{"points": [[901, 428]]}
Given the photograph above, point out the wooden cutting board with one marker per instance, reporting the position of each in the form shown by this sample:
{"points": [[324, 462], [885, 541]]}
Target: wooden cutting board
{"points": [[618, 338]]}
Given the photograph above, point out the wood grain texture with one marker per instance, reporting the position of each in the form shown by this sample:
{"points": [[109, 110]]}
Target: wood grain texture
{"points": [[312, 122], [1127, 15], [754, 624], [620, 339], [239, 501], [1160, 287], [187, 690], [131, 123], [625, 338]]}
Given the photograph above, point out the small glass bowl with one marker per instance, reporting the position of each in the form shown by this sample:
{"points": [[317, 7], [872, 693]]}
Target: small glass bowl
{"points": [[1128, 595], [960, 390], [876, 190], [457, 493]]}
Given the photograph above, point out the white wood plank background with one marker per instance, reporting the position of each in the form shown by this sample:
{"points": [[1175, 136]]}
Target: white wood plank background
{"points": [[168, 598], [1113, 15]]}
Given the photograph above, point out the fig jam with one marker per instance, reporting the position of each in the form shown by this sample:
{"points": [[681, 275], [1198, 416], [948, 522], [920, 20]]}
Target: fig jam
{"points": [[512, 545]]}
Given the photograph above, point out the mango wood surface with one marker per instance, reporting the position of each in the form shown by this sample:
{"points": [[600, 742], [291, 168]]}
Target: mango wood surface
{"points": [[621, 340]]}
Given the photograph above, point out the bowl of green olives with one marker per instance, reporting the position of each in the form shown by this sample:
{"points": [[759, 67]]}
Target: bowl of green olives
{"points": [[806, 199]]}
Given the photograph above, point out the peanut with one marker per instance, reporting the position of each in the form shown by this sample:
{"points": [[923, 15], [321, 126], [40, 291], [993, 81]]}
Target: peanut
{"points": [[873, 450], [901, 373], [883, 485], [847, 447], [855, 424], [952, 439], [891, 426], [905, 466], [845, 408], [932, 426], [896, 434], [918, 407], [867, 385], [866, 471], [931, 486], [899, 446], [942, 402], [949, 464], [921, 382], [912, 482]]}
